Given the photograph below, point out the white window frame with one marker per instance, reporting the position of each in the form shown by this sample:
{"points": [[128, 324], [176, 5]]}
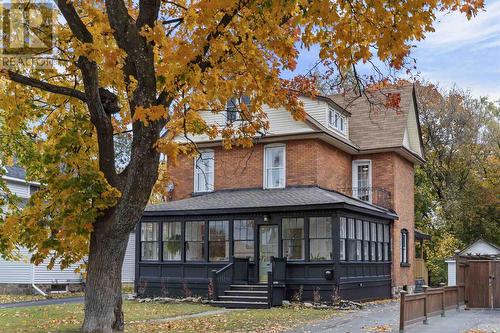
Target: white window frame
{"points": [[404, 247], [198, 187], [331, 113], [355, 165], [270, 146]]}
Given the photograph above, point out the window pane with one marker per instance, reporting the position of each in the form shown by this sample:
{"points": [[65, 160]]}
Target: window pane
{"points": [[386, 251], [172, 241], [172, 231], [358, 250], [366, 250], [321, 249], [374, 231], [386, 233], [172, 250], [204, 172], [244, 249], [293, 248], [342, 249], [293, 238], [320, 227], [149, 250], [195, 251], [149, 232], [373, 252], [343, 227], [350, 228], [379, 251], [366, 230], [195, 231], [218, 251], [243, 229], [218, 235], [275, 166], [359, 229], [195, 238], [351, 249]]}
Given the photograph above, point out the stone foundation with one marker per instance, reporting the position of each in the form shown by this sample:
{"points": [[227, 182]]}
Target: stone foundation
{"points": [[27, 289]]}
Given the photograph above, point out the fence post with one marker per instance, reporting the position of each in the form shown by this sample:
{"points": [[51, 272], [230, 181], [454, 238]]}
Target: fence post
{"points": [[402, 311], [424, 287], [458, 297], [443, 299]]}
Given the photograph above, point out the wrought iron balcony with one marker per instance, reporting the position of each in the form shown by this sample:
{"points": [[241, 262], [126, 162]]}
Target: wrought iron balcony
{"points": [[376, 195]]}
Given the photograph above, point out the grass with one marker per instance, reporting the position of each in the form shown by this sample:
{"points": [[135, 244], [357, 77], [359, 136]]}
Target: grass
{"points": [[68, 317], [26, 298]]}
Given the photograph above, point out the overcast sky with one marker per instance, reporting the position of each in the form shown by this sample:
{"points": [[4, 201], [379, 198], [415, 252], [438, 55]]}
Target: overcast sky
{"points": [[463, 52]]}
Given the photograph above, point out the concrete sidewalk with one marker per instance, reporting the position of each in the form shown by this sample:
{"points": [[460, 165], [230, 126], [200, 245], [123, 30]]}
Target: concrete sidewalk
{"points": [[385, 318]]}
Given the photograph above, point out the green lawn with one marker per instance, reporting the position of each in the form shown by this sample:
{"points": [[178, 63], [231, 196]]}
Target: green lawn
{"points": [[68, 317]]}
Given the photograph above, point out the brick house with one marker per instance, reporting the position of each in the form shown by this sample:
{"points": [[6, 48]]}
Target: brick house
{"points": [[332, 195]]}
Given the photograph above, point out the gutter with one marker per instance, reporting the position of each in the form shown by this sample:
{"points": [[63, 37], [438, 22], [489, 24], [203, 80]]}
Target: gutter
{"points": [[40, 291]]}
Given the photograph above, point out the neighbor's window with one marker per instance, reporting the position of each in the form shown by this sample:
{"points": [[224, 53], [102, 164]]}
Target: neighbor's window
{"points": [[320, 238], [366, 240], [343, 236], [243, 235], [361, 180], [204, 172], [150, 241], [218, 240], [380, 241], [233, 108], [351, 240], [404, 246], [337, 121], [172, 243], [387, 241], [195, 239], [373, 243], [293, 238], [274, 166]]}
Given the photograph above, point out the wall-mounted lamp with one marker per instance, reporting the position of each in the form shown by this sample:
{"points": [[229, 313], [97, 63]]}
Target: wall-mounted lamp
{"points": [[266, 218]]}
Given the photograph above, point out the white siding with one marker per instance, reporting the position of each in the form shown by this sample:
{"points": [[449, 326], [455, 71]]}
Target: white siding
{"points": [[317, 109], [43, 275], [18, 272], [480, 247], [128, 269], [19, 188], [411, 132]]}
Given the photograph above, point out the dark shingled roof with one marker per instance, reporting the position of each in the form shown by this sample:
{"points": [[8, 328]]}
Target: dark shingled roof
{"points": [[260, 198], [15, 172]]}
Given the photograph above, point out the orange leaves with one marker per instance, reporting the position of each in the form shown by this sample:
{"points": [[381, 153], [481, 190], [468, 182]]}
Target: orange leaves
{"points": [[152, 113]]}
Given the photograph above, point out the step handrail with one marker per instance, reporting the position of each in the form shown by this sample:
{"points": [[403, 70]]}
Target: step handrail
{"points": [[221, 279]]}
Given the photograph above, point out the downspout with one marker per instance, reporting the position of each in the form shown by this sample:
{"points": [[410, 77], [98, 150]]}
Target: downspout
{"points": [[40, 291]]}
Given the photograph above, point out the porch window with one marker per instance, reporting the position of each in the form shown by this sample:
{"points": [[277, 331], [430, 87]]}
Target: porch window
{"points": [[218, 240], [172, 241], [243, 234], [359, 239], [195, 239], [274, 166], [204, 172], [373, 243], [320, 238], [380, 242], [387, 240], [366, 240], [362, 180], [150, 241], [293, 238], [343, 236], [404, 246], [351, 240]]}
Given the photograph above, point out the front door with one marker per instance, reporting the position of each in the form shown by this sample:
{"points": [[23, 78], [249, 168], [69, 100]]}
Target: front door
{"points": [[268, 247]]}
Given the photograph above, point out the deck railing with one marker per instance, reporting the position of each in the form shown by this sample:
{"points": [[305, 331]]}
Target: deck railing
{"points": [[234, 272], [377, 195]]}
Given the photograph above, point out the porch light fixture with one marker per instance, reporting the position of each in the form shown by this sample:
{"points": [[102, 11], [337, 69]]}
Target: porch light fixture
{"points": [[266, 218]]}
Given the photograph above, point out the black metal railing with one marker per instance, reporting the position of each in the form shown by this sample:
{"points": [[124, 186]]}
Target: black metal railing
{"points": [[234, 272], [377, 195]]}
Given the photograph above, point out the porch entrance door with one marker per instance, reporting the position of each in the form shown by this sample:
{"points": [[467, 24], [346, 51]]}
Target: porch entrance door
{"points": [[268, 247]]}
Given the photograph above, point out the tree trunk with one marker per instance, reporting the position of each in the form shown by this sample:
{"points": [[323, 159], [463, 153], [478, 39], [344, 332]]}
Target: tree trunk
{"points": [[103, 297]]}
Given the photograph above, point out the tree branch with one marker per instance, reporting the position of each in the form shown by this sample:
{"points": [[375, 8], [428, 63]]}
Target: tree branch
{"points": [[75, 23]]}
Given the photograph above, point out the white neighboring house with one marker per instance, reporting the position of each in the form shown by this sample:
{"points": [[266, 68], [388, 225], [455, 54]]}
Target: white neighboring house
{"points": [[21, 275], [479, 248]]}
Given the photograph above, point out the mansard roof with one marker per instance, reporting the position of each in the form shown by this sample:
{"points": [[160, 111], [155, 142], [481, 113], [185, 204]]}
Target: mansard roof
{"points": [[256, 199]]}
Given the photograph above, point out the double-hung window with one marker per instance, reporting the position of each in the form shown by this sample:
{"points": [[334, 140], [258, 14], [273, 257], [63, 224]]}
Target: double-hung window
{"points": [[337, 121], [204, 172], [362, 180], [172, 243], [234, 112], [293, 238], [195, 239], [366, 240], [320, 238], [243, 235], [343, 236], [404, 246], [218, 240], [380, 241], [359, 239], [274, 166], [351, 240], [150, 241], [373, 242], [387, 241]]}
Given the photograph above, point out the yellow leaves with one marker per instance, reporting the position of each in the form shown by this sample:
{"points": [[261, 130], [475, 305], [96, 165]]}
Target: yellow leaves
{"points": [[152, 113]]}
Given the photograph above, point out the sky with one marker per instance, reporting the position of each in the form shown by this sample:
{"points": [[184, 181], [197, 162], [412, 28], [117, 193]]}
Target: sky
{"points": [[459, 51]]}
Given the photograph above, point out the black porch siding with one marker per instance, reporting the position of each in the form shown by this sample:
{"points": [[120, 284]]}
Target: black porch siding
{"points": [[359, 280]]}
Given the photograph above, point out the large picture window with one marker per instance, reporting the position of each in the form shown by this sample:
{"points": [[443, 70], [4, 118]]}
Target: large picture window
{"points": [[361, 180], [343, 236], [293, 238], [351, 240], [274, 166], [218, 240], [150, 241], [195, 239], [404, 246], [204, 172], [243, 234], [320, 238], [172, 243]]}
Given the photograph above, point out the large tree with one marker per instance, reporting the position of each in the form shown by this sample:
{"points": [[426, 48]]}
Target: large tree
{"points": [[147, 68]]}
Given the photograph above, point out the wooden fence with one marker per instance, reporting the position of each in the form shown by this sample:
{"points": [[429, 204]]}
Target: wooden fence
{"points": [[430, 302]]}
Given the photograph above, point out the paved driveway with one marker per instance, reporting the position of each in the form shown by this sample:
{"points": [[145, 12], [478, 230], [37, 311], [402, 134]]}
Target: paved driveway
{"points": [[385, 318]]}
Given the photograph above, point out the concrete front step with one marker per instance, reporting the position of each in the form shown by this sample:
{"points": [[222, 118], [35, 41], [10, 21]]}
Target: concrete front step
{"points": [[241, 305]]}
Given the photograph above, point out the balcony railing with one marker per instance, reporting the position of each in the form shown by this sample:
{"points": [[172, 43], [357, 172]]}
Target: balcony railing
{"points": [[376, 195]]}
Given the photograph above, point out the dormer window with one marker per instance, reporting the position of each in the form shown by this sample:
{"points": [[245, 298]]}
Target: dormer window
{"points": [[204, 172], [337, 121], [233, 108]]}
